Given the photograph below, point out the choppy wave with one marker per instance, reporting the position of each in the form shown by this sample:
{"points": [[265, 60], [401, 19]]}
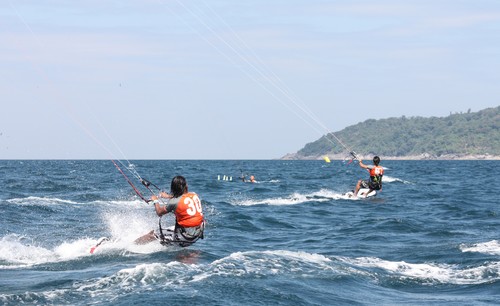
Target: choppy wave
{"points": [[124, 227], [490, 247], [261, 263], [430, 273], [239, 264], [16, 251], [32, 200], [297, 264], [47, 201], [295, 198], [302, 264], [256, 265], [389, 179]]}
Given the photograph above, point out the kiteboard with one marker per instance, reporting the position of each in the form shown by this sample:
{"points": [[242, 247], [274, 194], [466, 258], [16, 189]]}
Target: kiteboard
{"points": [[362, 193], [98, 243]]}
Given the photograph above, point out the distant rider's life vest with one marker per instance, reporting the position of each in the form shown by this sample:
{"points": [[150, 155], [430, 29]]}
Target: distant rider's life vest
{"points": [[376, 174], [189, 212]]}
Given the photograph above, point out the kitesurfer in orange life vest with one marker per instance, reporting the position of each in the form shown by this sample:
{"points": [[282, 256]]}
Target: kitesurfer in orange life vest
{"points": [[189, 221], [376, 173]]}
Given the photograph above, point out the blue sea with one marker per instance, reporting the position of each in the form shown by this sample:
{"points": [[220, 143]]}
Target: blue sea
{"points": [[431, 237]]}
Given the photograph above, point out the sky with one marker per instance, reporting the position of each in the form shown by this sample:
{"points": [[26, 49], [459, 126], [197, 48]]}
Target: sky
{"points": [[225, 79]]}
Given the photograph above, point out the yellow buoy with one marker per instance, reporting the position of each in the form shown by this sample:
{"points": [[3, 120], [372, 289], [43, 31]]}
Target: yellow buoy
{"points": [[326, 159]]}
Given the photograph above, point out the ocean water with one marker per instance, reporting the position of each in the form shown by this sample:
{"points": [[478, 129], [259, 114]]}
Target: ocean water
{"points": [[431, 237]]}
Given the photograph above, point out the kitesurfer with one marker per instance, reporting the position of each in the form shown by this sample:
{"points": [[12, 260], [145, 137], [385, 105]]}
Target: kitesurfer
{"points": [[376, 173], [189, 221], [244, 179]]}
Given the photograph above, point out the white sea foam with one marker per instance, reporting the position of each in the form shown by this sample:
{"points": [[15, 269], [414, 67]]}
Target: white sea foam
{"points": [[295, 198], [167, 274], [32, 200], [432, 273], [299, 255], [136, 203], [270, 262], [237, 264], [295, 255], [18, 252], [331, 195], [389, 179], [282, 262], [490, 247], [30, 297], [47, 201], [124, 227]]}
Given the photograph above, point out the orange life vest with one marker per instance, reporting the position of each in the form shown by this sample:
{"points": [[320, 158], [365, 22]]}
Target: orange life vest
{"points": [[189, 212], [377, 171], [376, 174]]}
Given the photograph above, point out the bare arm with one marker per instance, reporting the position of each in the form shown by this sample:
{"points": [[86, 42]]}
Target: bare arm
{"points": [[363, 165], [160, 210], [165, 195]]}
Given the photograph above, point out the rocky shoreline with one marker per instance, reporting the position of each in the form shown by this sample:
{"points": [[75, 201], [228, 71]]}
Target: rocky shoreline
{"points": [[424, 156]]}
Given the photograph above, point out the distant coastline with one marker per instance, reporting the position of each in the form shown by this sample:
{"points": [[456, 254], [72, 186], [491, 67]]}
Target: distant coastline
{"points": [[460, 136], [425, 156]]}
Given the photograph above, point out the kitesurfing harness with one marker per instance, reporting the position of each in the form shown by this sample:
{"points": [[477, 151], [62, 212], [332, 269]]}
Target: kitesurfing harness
{"points": [[181, 236]]}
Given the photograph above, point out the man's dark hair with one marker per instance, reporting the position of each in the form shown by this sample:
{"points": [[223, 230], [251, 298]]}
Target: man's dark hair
{"points": [[178, 186], [376, 160]]}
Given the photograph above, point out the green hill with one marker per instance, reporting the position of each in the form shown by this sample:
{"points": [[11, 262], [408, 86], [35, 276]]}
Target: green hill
{"points": [[454, 136]]}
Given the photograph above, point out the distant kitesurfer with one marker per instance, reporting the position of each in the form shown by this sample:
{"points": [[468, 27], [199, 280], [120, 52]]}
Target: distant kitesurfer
{"points": [[189, 221], [376, 173], [244, 179]]}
